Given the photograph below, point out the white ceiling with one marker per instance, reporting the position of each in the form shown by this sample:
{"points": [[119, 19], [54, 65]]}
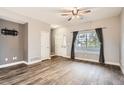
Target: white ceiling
{"points": [[51, 15]]}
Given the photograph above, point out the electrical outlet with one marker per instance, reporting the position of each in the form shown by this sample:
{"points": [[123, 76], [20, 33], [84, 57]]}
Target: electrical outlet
{"points": [[15, 57], [6, 59]]}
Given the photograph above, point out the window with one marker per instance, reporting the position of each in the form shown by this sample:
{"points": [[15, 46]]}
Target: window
{"points": [[87, 42]]}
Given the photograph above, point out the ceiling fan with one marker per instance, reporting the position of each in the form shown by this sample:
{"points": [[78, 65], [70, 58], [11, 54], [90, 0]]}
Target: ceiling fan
{"points": [[75, 13]]}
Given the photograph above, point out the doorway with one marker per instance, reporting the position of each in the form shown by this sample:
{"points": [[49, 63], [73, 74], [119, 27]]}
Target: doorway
{"points": [[52, 42], [45, 45]]}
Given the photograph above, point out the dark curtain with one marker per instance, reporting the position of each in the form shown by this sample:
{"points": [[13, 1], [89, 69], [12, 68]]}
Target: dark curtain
{"points": [[100, 37], [73, 45]]}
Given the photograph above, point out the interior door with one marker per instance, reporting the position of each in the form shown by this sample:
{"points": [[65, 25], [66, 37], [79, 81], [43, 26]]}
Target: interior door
{"points": [[45, 45]]}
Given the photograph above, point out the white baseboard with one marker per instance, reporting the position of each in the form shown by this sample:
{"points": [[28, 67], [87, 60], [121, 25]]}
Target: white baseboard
{"points": [[19, 62], [96, 61], [112, 63], [92, 60], [33, 62], [12, 64]]}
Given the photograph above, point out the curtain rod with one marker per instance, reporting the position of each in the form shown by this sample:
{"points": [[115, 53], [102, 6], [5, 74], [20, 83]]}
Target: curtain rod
{"points": [[89, 29]]}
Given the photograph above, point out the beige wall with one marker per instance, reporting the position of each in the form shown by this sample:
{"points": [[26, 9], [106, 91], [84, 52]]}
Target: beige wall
{"points": [[111, 39]]}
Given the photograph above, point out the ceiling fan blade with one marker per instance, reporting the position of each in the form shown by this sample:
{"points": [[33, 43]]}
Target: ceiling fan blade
{"points": [[87, 11], [81, 13], [84, 12], [65, 11], [66, 14], [70, 19]]}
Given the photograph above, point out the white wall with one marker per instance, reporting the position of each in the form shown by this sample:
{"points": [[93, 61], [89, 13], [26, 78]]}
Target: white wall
{"points": [[122, 39], [34, 31], [111, 39]]}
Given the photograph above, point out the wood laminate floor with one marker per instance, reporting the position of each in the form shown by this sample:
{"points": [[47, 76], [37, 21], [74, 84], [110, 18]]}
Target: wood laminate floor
{"points": [[62, 71]]}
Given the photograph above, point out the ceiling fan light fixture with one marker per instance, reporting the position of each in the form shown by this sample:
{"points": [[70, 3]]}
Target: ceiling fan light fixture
{"points": [[75, 11], [78, 16]]}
